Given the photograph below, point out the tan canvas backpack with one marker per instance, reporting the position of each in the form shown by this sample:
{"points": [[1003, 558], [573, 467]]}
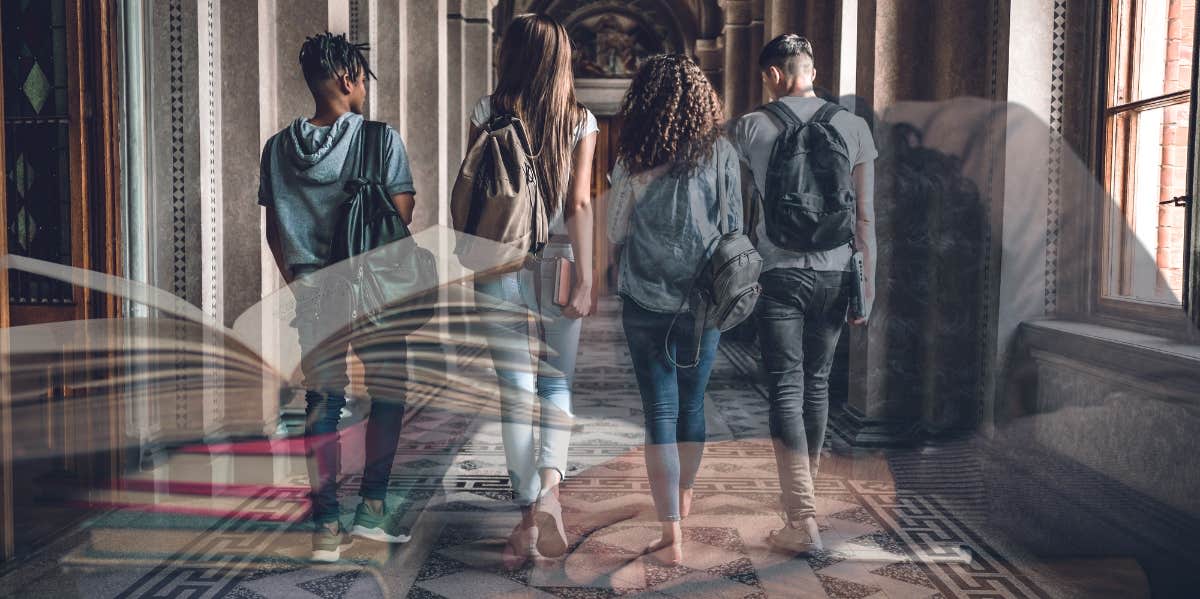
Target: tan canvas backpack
{"points": [[497, 195]]}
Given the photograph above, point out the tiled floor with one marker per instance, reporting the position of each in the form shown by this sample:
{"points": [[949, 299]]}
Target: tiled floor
{"points": [[880, 541]]}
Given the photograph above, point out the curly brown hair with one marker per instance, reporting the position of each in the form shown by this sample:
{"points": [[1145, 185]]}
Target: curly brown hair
{"points": [[672, 116]]}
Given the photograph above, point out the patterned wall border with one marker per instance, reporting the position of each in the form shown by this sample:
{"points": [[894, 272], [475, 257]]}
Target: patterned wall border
{"points": [[178, 166], [179, 256], [1058, 58], [212, 252]]}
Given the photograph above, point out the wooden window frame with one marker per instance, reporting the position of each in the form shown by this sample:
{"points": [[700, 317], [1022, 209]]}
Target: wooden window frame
{"points": [[95, 169], [1168, 321]]}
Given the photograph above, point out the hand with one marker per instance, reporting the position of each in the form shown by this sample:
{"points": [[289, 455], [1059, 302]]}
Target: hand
{"points": [[581, 301], [869, 299]]}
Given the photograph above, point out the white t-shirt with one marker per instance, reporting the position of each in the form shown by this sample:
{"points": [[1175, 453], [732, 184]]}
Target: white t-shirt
{"points": [[482, 113], [754, 137]]}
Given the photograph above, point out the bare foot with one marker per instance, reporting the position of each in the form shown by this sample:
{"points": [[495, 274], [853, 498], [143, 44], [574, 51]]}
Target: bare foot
{"points": [[668, 549], [667, 552], [521, 546], [685, 502]]}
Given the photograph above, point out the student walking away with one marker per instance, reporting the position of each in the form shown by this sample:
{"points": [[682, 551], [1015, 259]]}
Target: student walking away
{"points": [[676, 208], [304, 174], [533, 120], [813, 170]]}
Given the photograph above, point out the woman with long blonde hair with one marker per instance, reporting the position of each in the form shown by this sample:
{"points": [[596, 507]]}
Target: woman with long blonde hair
{"points": [[535, 84]]}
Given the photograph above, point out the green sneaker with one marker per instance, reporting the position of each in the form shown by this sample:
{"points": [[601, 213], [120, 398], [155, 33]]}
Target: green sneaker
{"points": [[370, 524], [328, 545]]}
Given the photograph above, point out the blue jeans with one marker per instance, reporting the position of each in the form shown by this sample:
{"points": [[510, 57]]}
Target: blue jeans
{"points": [[672, 399], [800, 316], [531, 446], [324, 368]]}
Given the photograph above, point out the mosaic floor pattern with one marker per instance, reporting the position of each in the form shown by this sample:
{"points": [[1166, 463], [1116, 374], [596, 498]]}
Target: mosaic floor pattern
{"points": [[450, 471]]}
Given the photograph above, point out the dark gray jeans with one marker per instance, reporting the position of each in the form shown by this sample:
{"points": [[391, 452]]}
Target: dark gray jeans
{"points": [[800, 317]]}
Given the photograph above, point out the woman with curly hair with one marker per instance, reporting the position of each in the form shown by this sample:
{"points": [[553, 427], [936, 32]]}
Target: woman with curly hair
{"points": [[676, 179]]}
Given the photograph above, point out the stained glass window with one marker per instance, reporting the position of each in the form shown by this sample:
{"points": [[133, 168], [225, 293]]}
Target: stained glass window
{"points": [[36, 133]]}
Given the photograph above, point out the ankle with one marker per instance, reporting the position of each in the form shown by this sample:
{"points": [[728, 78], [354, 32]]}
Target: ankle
{"points": [[527, 512], [550, 480], [672, 533]]}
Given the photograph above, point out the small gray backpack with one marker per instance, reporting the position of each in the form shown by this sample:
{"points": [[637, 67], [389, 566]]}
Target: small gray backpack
{"points": [[726, 289]]}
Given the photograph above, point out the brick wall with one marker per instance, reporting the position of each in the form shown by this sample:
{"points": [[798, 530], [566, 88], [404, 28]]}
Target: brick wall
{"points": [[1181, 19]]}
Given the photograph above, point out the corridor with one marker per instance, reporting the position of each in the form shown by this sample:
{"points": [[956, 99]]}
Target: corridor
{"points": [[925, 536]]}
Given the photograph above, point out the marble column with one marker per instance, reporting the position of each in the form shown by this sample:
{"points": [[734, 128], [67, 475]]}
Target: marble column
{"points": [[738, 80]]}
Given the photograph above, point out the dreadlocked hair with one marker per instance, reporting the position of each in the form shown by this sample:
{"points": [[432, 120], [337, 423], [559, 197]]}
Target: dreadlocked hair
{"points": [[672, 116], [325, 56]]}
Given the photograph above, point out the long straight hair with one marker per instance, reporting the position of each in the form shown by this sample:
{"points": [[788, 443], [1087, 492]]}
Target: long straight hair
{"points": [[536, 85]]}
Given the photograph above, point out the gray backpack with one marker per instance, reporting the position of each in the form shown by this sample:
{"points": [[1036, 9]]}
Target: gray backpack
{"points": [[808, 203], [726, 289], [497, 195]]}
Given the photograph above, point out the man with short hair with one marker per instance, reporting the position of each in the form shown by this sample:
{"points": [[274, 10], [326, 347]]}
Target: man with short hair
{"points": [[303, 176], [806, 294]]}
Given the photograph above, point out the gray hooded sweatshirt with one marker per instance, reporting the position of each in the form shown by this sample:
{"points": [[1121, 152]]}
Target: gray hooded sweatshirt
{"points": [[302, 174]]}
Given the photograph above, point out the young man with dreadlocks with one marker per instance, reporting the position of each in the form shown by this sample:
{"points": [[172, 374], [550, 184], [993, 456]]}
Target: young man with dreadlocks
{"points": [[303, 172]]}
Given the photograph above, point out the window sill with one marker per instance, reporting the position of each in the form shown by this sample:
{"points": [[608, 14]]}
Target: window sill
{"points": [[1165, 364]]}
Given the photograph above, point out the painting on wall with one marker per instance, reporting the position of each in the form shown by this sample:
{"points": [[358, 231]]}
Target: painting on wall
{"points": [[613, 45]]}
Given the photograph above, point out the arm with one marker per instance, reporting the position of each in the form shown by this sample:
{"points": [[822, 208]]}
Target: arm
{"points": [[864, 227], [405, 204], [620, 205], [581, 226], [273, 243]]}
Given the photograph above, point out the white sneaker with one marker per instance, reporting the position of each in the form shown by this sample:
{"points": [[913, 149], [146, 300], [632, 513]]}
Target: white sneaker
{"points": [[797, 537]]}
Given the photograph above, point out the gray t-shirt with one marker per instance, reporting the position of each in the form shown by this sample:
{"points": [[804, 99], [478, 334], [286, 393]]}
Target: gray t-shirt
{"points": [[754, 135], [302, 174]]}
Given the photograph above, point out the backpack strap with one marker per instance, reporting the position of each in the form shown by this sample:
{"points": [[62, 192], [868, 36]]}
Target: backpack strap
{"points": [[782, 113], [370, 165], [825, 113]]}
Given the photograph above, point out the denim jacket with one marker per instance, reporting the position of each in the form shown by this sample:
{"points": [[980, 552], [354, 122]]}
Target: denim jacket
{"points": [[669, 224]]}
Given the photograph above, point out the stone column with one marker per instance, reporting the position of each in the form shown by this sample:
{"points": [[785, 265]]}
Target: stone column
{"points": [[961, 49], [425, 110], [737, 78], [710, 56], [757, 33], [818, 21], [477, 49], [389, 60], [455, 54]]}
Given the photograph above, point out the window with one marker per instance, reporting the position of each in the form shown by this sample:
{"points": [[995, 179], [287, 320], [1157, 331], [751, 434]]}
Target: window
{"points": [[1148, 130]]}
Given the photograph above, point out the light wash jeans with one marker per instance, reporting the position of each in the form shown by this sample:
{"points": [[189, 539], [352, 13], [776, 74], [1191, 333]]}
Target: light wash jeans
{"points": [[530, 446]]}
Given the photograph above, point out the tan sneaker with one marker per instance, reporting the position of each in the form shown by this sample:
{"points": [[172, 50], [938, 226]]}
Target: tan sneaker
{"points": [[801, 537], [329, 542]]}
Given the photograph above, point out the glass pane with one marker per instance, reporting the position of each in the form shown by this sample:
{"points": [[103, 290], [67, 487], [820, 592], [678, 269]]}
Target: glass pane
{"points": [[35, 64], [1146, 238], [1154, 48]]}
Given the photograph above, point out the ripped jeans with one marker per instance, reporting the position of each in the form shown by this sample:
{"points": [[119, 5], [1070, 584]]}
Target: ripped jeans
{"points": [[532, 444]]}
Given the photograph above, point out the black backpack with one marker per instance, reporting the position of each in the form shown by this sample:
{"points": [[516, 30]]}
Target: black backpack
{"points": [[394, 287], [808, 203]]}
